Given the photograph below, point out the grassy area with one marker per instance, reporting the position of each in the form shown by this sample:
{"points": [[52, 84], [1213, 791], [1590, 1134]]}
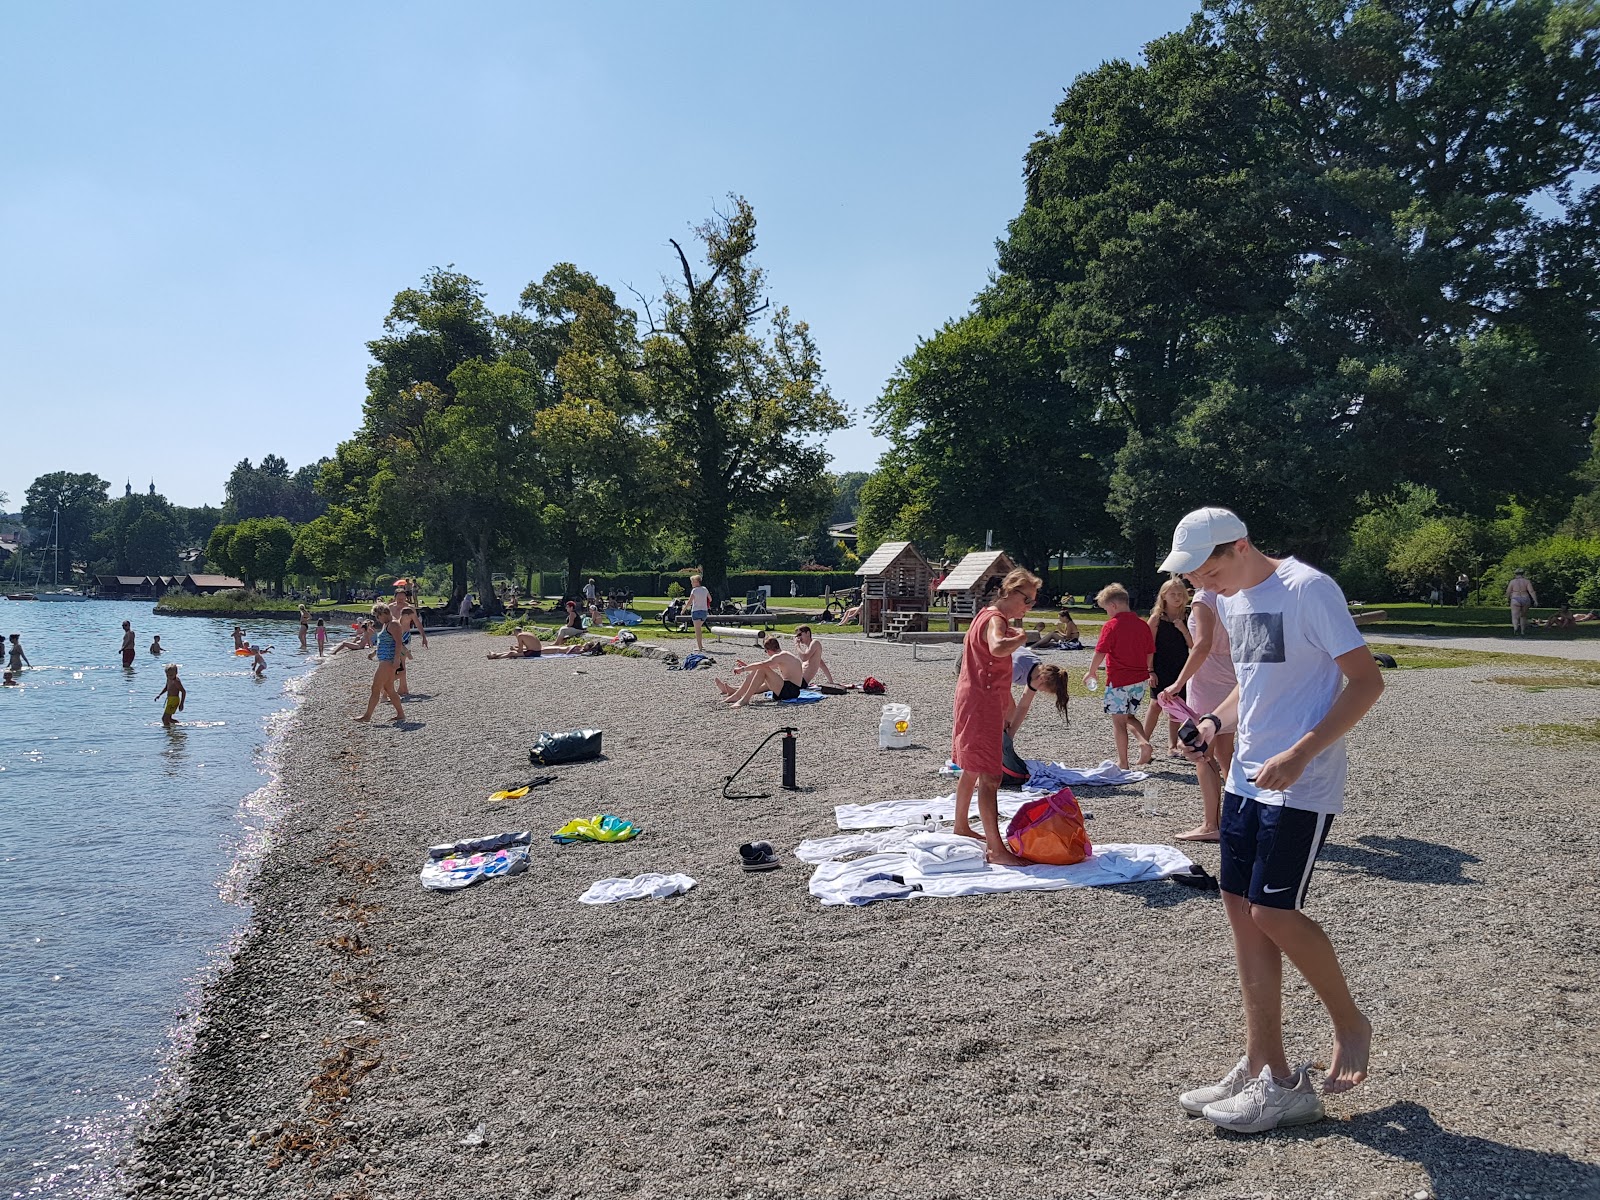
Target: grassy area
{"points": [[1469, 621], [1553, 734]]}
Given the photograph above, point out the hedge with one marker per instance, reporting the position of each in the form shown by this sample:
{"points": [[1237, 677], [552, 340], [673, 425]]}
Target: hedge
{"points": [[654, 583]]}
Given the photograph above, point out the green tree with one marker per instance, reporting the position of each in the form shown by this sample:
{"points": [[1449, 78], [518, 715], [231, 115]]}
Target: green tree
{"points": [[272, 490], [218, 553], [1431, 555], [438, 465], [258, 549], [999, 442], [603, 474], [737, 407], [69, 504], [1310, 248], [337, 546], [1364, 568], [762, 544], [140, 534]]}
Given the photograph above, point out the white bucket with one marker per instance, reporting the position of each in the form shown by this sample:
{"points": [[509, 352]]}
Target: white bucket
{"points": [[894, 728]]}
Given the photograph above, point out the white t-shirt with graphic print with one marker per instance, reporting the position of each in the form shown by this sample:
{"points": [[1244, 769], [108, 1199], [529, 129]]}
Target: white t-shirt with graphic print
{"points": [[1284, 635]]}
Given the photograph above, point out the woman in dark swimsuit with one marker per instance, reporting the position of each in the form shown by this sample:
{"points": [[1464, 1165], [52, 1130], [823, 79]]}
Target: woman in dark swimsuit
{"points": [[1172, 651]]}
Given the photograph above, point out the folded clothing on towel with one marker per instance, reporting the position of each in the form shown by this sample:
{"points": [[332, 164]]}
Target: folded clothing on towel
{"points": [[937, 853], [888, 814], [640, 887]]}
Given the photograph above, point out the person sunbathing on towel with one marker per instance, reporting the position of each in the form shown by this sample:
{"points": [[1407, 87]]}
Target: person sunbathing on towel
{"points": [[528, 645], [361, 641], [810, 652], [780, 673]]}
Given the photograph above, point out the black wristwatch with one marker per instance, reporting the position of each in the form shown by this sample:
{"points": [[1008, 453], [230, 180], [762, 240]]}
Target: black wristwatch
{"points": [[1212, 717]]}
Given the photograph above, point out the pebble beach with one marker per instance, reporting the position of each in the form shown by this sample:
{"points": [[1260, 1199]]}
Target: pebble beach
{"points": [[372, 1039]]}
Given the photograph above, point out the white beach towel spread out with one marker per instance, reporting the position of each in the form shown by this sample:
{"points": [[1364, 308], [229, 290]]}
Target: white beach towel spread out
{"points": [[892, 814], [838, 882], [640, 887], [1053, 776]]}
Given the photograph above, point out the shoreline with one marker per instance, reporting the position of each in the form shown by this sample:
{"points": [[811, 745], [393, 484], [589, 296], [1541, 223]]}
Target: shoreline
{"points": [[743, 1040]]}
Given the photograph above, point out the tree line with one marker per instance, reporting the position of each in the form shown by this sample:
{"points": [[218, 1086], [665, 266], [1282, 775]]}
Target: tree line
{"points": [[1309, 258]]}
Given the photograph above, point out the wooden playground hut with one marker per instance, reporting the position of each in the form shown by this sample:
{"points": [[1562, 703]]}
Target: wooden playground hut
{"points": [[894, 589], [968, 583]]}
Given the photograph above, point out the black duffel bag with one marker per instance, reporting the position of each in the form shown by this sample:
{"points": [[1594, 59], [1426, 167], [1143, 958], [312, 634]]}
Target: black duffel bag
{"points": [[575, 745]]}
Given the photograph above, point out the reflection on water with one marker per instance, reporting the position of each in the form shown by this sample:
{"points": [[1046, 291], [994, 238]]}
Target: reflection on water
{"points": [[118, 844]]}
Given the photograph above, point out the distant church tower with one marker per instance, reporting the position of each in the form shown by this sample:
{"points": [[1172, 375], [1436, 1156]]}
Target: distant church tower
{"points": [[127, 488], [152, 487]]}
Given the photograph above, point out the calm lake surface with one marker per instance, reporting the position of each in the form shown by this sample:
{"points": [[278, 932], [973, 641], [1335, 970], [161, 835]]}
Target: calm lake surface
{"points": [[124, 847]]}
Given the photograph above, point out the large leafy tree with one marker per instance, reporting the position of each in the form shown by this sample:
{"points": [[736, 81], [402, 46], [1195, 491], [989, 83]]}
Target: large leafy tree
{"points": [[1313, 248], [439, 463], [603, 474], [989, 438], [272, 490], [740, 407], [141, 534], [71, 503]]}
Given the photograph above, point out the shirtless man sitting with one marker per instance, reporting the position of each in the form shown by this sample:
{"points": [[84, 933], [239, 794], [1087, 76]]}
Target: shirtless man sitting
{"points": [[780, 673], [527, 645], [810, 652]]}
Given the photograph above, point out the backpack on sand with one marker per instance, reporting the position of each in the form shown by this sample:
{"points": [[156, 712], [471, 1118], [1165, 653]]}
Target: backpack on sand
{"points": [[872, 687]]}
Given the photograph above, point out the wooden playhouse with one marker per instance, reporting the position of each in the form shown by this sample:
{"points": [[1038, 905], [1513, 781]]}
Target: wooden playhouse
{"points": [[969, 583], [894, 589]]}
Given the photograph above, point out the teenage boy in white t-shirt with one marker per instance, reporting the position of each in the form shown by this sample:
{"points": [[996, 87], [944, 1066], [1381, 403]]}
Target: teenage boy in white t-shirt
{"points": [[1305, 678]]}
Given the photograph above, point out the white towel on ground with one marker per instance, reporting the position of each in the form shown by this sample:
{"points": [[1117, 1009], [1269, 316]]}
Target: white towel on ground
{"points": [[890, 814], [816, 850], [640, 887], [1053, 776], [834, 882]]}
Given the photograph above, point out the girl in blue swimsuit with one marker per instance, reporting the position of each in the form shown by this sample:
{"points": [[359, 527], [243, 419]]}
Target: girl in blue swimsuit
{"points": [[389, 634]]}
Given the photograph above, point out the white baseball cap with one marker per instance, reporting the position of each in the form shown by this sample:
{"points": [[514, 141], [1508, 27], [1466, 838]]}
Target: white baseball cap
{"points": [[1198, 534]]}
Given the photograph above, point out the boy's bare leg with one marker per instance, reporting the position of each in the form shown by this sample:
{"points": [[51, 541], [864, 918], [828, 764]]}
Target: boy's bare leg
{"points": [[989, 810], [759, 678], [1119, 728], [964, 788], [1146, 751], [1313, 955], [1260, 966]]}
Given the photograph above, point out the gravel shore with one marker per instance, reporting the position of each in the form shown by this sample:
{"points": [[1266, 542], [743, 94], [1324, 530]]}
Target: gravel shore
{"points": [[371, 1039]]}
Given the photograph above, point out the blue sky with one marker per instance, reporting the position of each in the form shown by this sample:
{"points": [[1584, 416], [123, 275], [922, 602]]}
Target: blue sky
{"points": [[206, 209]]}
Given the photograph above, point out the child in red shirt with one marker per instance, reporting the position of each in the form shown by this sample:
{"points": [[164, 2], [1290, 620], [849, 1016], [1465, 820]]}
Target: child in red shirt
{"points": [[1128, 648]]}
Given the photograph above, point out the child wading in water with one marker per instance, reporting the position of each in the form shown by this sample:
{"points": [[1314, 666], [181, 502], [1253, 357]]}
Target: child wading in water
{"points": [[322, 637], [175, 693], [1128, 649], [983, 705]]}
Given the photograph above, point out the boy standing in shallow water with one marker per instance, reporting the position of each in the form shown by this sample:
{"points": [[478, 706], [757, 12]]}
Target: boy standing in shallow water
{"points": [[1128, 649], [175, 693], [1305, 677]]}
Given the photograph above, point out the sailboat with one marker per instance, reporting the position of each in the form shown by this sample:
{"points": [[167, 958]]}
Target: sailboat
{"points": [[56, 591]]}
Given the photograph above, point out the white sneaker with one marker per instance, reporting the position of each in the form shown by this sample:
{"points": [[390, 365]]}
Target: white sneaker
{"points": [[1231, 1084], [1264, 1103]]}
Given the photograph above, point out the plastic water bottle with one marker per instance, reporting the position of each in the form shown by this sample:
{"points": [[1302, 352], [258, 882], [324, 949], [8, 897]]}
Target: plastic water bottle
{"points": [[1152, 794], [1093, 683]]}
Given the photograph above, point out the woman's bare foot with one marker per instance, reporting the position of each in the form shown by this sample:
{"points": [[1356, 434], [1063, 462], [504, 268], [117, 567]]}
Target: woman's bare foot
{"points": [[1199, 834], [368, 717], [1004, 858], [1351, 1049]]}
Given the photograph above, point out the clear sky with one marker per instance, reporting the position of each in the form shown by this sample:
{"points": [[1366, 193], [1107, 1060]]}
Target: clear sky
{"points": [[205, 209]]}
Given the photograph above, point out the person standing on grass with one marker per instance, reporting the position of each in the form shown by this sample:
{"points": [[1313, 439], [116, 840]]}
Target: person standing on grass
{"points": [[1128, 649], [1208, 677], [699, 609], [1463, 584], [1305, 677], [1522, 597], [1168, 626], [983, 705]]}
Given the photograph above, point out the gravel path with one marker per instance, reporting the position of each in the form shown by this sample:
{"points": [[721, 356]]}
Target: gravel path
{"points": [[743, 1041], [1572, 648]]}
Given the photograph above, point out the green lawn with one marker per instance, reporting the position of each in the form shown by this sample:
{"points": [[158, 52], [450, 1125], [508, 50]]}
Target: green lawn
{"points": [[1468, 621]]}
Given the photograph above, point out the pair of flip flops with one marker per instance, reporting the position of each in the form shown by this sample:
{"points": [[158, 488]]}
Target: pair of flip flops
{"points": [[758, 856]]}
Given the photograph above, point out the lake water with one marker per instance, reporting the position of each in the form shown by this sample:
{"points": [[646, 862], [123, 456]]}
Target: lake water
{"points": [[124, 848]]}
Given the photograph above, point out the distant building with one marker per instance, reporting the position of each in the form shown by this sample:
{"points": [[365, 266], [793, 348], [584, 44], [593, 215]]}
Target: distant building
{"points": [[205, 585]]}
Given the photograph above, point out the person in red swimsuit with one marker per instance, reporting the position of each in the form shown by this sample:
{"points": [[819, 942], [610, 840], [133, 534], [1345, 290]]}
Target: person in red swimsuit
{"points": [[983, 697]]}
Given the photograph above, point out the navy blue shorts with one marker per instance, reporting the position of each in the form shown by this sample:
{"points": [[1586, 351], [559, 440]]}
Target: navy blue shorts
{"points": [[1268, 850]]}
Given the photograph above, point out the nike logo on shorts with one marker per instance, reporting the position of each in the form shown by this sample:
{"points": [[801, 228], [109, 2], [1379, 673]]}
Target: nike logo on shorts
{"points": [[1272, 889]]}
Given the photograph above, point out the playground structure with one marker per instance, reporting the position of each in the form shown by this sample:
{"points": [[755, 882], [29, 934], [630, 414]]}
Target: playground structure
{"points": [[895, 583], [967, 585]]}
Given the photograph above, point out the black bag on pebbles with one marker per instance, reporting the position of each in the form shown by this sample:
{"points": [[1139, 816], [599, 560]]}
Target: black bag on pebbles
{"points": [[575, 745]]}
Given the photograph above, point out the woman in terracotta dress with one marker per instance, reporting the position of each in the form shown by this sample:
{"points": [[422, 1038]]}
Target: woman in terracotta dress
{"points": [[983, 698]]}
